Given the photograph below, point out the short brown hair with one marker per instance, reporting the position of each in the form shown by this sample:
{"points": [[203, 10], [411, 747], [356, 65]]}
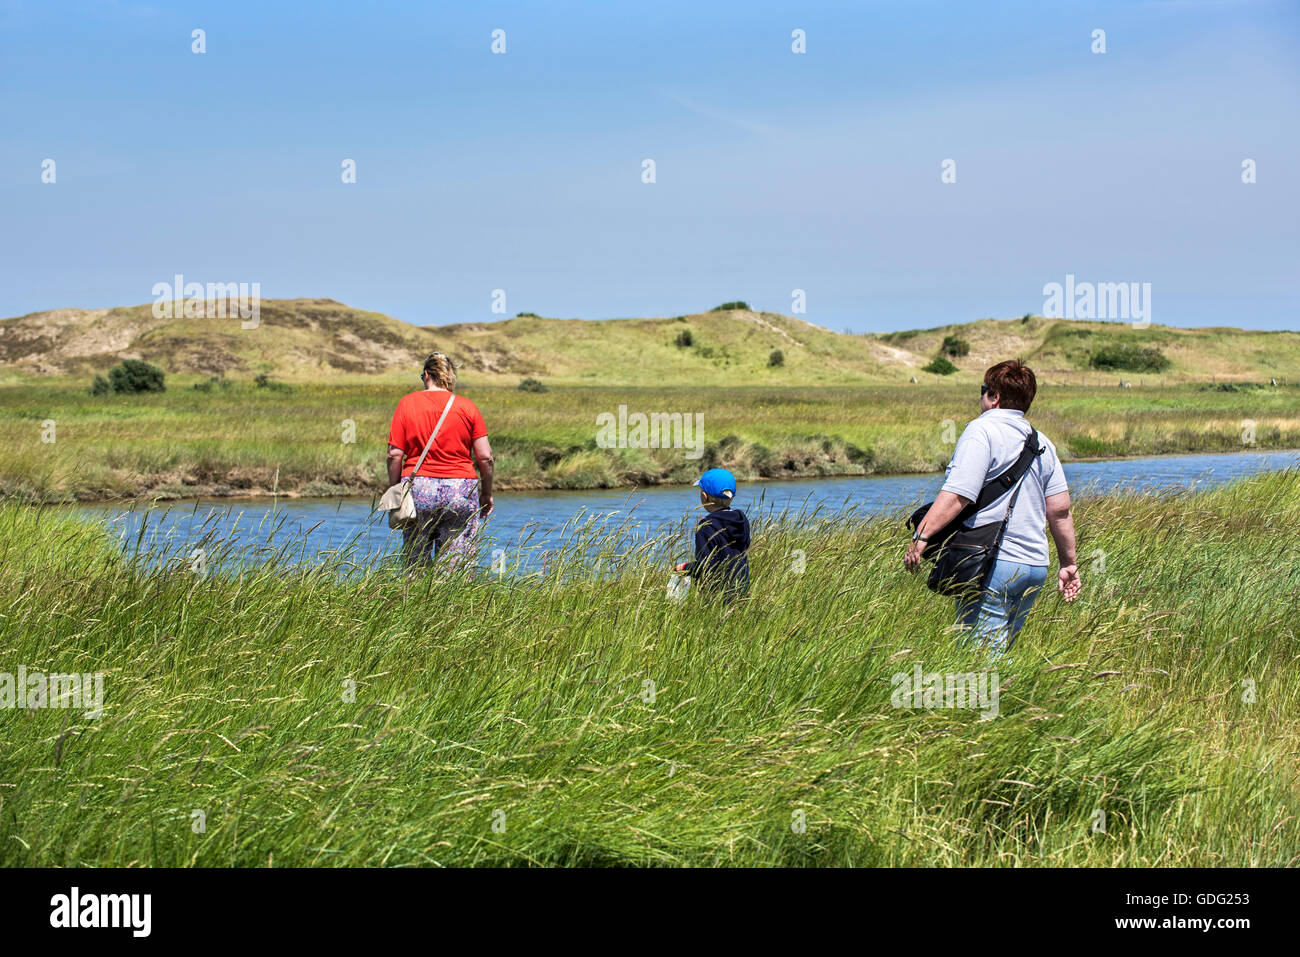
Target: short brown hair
{"points": [[442, 370], [1013, 383]]}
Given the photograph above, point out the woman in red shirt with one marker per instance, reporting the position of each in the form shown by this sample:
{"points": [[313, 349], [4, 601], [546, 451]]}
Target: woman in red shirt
{"points": [[450, 502]]}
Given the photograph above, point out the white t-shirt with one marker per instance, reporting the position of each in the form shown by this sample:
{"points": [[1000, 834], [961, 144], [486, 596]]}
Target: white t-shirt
{"points": [[988, 447]]}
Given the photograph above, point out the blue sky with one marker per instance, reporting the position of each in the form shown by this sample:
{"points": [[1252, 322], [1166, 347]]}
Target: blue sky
{"points": [[774, 171]]}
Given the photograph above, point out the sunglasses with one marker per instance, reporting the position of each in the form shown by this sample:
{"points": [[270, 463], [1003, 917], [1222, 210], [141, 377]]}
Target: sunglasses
{"points": [[984, 390]]}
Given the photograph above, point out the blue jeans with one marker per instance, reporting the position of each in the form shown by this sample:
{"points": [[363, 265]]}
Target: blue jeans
{"points": [[999, 613]]}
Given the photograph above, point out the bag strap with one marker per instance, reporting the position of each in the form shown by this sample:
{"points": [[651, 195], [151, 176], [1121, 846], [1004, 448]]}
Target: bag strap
{"points": [[1020, 483], [1002, 531], [1032, 451], [1010, 505], [432, 435], [995, 488]]}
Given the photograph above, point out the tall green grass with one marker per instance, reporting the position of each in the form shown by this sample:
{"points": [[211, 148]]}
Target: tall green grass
{"points": [[593, 720]]}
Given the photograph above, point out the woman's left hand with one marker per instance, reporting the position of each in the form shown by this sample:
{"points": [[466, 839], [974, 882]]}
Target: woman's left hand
{"points": [[912, 560]]}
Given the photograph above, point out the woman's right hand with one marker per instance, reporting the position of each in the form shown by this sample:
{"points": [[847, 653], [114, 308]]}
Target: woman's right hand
{"points": [[485, 506], [1068, 582]]}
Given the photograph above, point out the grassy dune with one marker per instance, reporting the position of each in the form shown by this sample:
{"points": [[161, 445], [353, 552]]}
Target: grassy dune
{"points": [[527, 705], [303, 339], [249, 440]]}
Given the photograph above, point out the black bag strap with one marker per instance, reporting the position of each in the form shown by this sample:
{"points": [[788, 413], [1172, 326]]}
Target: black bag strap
{"points": [[1006, 519], [995, 488], [1002, 531]]}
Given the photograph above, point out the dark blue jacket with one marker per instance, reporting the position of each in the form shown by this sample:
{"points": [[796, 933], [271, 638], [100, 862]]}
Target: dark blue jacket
{"points": [[721, 540]]}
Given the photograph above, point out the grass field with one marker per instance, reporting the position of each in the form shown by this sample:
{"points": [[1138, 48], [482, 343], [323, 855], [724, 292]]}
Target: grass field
{"points": [[288, 717], [247, 440]]}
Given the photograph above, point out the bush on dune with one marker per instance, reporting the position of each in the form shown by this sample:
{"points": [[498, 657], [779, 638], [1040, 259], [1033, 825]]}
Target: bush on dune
{"points": [[1130, 358], [939, 366], [131, 376]]}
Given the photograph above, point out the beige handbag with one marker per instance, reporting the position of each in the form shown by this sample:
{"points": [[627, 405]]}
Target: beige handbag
{"points": [[398, 501]]}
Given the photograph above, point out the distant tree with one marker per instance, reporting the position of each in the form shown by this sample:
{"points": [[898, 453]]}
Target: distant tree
{"points": [[955, 346], [135, 375], [100, 386], [528, 315], [777, 358], [728, 306], [532, 385], [940, 366], [684, 339]]}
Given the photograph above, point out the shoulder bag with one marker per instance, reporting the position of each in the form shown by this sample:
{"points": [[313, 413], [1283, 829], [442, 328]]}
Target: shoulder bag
{"points": [[964, 557]]}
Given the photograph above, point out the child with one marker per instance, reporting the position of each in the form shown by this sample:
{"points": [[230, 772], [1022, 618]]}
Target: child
{"points": [[721, 539]]}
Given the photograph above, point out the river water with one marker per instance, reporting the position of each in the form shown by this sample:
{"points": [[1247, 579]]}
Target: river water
{"points": [[528, 526]]}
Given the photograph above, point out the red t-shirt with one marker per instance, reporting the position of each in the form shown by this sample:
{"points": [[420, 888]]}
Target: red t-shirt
{"points": [[451, 454]]}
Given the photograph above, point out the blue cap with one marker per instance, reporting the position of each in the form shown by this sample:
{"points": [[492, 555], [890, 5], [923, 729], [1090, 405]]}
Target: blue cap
{"points": [[717, 483]]}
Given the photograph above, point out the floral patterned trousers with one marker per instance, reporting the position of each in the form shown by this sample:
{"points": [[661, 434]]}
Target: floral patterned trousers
{"points": [[446, 520]]}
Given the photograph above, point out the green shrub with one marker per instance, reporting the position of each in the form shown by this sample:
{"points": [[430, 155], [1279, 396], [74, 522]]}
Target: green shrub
{"points": [[955, 346], [100, 386], [532, 385], [527, 315], [777, 358], [1130, 358], [728, 306], [135, 375], [940, 366], [684, 339]]}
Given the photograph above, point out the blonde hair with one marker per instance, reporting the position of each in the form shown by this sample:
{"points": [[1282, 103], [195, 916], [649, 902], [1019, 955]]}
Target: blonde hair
{"points": [[441, 370]]}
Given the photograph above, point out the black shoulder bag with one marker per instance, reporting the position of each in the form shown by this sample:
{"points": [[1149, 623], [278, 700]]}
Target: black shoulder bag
{"points": [[963, 557]]}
